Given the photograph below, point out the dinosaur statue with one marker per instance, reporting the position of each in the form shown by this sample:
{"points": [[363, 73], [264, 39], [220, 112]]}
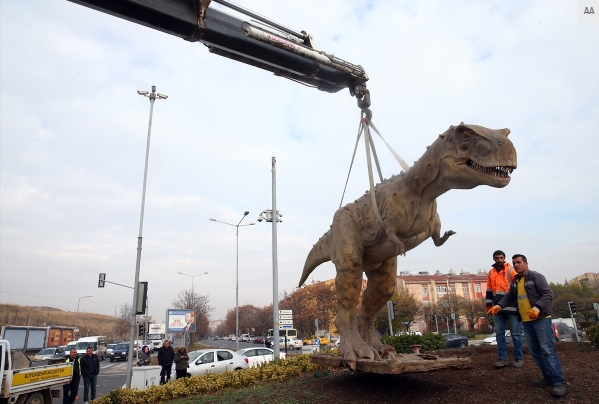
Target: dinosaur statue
{"points": [[463, 157]]}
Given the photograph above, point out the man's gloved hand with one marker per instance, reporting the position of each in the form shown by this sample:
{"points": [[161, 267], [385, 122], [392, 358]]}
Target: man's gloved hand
{"points": [[494, 310], [533, 314], [488, 308]]}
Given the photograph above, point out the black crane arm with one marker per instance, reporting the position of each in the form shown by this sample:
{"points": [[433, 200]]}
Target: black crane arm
{"points": [[254, 40]]}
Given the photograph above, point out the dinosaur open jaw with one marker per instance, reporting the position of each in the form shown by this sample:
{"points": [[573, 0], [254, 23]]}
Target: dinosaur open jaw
{"points": [[500, 171]]}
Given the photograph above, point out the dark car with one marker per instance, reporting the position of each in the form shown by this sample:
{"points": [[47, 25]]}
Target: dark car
{"points": [[455, 341], [119, 352], [259, 340]]}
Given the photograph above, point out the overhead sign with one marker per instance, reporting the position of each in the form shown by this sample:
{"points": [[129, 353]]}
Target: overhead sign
{"points": [[286, 322], [285, 311], [285, 316]]}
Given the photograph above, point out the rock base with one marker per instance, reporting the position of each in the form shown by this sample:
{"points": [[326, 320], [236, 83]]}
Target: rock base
{"points": [[403, 363]]}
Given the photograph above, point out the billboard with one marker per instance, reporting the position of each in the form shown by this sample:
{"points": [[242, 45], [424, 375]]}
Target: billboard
{"points": [[180, 320]]}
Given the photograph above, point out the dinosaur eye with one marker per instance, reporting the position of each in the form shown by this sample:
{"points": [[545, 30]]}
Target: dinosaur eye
{"points": [[482, 149]]}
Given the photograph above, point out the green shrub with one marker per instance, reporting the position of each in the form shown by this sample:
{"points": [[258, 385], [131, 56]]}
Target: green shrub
{"points": [[429, 341], [593, 334]]}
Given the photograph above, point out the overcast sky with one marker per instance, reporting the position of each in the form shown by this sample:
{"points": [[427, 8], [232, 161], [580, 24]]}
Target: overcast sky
{"points": [[73, 137]]}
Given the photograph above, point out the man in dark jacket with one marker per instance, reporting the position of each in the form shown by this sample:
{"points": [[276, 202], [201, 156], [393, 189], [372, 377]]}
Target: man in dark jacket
{"points": [[90, 368], [166, 355], [70, 390], [535, 298]]}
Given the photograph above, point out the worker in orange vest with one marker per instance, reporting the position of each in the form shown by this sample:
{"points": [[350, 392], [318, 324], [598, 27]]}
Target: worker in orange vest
{"points": [[499, 279]]}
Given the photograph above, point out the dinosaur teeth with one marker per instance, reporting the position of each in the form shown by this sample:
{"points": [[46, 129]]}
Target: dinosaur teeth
{"points": [[498, 171]]}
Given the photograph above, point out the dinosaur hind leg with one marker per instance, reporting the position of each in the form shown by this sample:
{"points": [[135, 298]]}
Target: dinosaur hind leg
{"points": [[381, 287], [348, 284]]}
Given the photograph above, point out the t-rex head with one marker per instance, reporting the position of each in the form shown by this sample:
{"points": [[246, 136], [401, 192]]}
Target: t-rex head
{"points": [[472, 155]]}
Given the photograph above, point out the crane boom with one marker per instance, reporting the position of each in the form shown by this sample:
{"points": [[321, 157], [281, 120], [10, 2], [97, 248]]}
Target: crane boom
{"points": [[250, 38]]}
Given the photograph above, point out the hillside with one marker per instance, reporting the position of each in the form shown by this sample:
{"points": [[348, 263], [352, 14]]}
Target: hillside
{"points": [[88, 323]]}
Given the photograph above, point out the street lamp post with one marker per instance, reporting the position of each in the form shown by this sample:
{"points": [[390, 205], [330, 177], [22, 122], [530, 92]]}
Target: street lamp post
{"points": [[247, 212], [77, 316], [152, 96], [193, 301], [269, 216], [451, 307]]}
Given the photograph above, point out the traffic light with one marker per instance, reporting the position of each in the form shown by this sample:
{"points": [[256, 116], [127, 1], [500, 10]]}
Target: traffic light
{"points": [[395, 312], [572, 308], [141, 330]]}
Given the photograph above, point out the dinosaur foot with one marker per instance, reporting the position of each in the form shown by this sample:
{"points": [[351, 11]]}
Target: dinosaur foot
{"points": [[352, 346]]}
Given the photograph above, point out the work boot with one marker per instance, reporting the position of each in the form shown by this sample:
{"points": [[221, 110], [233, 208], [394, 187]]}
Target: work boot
{"points": [[541, 383], [518, 363], [502, 364], [559, 390]]}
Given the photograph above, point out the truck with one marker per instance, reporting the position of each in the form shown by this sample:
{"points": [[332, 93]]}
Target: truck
{"points": [[31, 339], [157, 334], [22, 383]]}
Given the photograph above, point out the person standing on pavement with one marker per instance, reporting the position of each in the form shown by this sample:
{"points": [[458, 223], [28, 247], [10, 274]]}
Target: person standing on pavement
{"points": [[90, 369], [70, 390], [144, 356], [181, 363], [499, 279], [535, 300], [166, 355]]}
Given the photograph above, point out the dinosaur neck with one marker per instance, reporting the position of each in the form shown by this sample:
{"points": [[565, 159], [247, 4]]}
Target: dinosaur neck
{"points": [[425, 178]]}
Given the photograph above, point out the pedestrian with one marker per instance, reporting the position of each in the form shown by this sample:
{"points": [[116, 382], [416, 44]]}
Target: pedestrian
{"points": [[70, 390], [144, 356], [166, 355], [499, 280], [535, 300], [181, 363], [90, 368]]}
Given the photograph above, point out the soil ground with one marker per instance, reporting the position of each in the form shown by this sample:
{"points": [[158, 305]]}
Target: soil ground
{"points": [[480, 384]]}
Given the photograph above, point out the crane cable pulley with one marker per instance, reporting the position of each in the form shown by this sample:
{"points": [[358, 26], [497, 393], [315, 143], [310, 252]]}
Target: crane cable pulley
{"points": [[366, 123]]}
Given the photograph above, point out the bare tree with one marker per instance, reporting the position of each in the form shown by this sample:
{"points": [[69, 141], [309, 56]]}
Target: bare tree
{"points": [[123, 323], [189, 299]]}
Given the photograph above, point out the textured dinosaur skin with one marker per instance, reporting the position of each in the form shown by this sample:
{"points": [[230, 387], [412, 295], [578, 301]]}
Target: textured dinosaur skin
{"points": [[463, 157]]}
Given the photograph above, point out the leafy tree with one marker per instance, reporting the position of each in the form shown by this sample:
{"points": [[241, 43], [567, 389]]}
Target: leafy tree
{"points": [[428, 315], [473, 310], [408, 307], [316, 300]]}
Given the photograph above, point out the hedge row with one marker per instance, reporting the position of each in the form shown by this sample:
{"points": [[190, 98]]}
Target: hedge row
{"points": [[430, 341], [277, 370]]}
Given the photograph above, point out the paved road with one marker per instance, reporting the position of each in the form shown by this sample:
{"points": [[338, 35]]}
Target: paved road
{"points": [[112, 376], [233, 345]]}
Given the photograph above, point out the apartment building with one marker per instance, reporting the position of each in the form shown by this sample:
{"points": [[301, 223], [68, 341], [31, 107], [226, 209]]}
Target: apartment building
{"points": [[590, 279]]}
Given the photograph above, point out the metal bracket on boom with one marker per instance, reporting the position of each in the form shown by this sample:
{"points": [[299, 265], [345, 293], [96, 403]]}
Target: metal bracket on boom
{"points": [[200, 7]]}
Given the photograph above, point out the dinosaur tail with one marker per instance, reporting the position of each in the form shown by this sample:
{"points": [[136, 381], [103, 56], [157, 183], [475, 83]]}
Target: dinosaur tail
{"points": [[318, 254]]}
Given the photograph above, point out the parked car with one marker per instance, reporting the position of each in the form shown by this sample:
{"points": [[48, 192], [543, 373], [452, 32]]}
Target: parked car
{"points": [[455, 341], [259, 340], [292, 343], [214, 361], [251, 338], [244, 337], [574, 333], [562, 333], [312, 340], [259, 356], [50, 354], [120, 352], [492, 339]]}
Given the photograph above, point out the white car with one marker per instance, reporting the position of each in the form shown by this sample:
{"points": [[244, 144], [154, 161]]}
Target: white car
{"points": [[492, 339], [214, 361], [292, 343], [259, 356]]}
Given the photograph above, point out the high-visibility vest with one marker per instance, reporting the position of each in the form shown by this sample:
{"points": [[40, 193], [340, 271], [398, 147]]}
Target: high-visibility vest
{"points": [[78, 360]]}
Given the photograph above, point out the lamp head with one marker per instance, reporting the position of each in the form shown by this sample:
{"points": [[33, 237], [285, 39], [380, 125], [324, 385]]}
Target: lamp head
{"points": [[162, 96], [153, 89], [260, 218], [142, 92], [247, 212], [213, 219], [252, 223]]}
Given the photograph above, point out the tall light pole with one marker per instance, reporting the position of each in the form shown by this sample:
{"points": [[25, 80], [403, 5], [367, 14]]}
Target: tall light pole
{"points": [[451, 307], [77, 316], [193, 301], [133, 333], [268, 216], [247, 212]]}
